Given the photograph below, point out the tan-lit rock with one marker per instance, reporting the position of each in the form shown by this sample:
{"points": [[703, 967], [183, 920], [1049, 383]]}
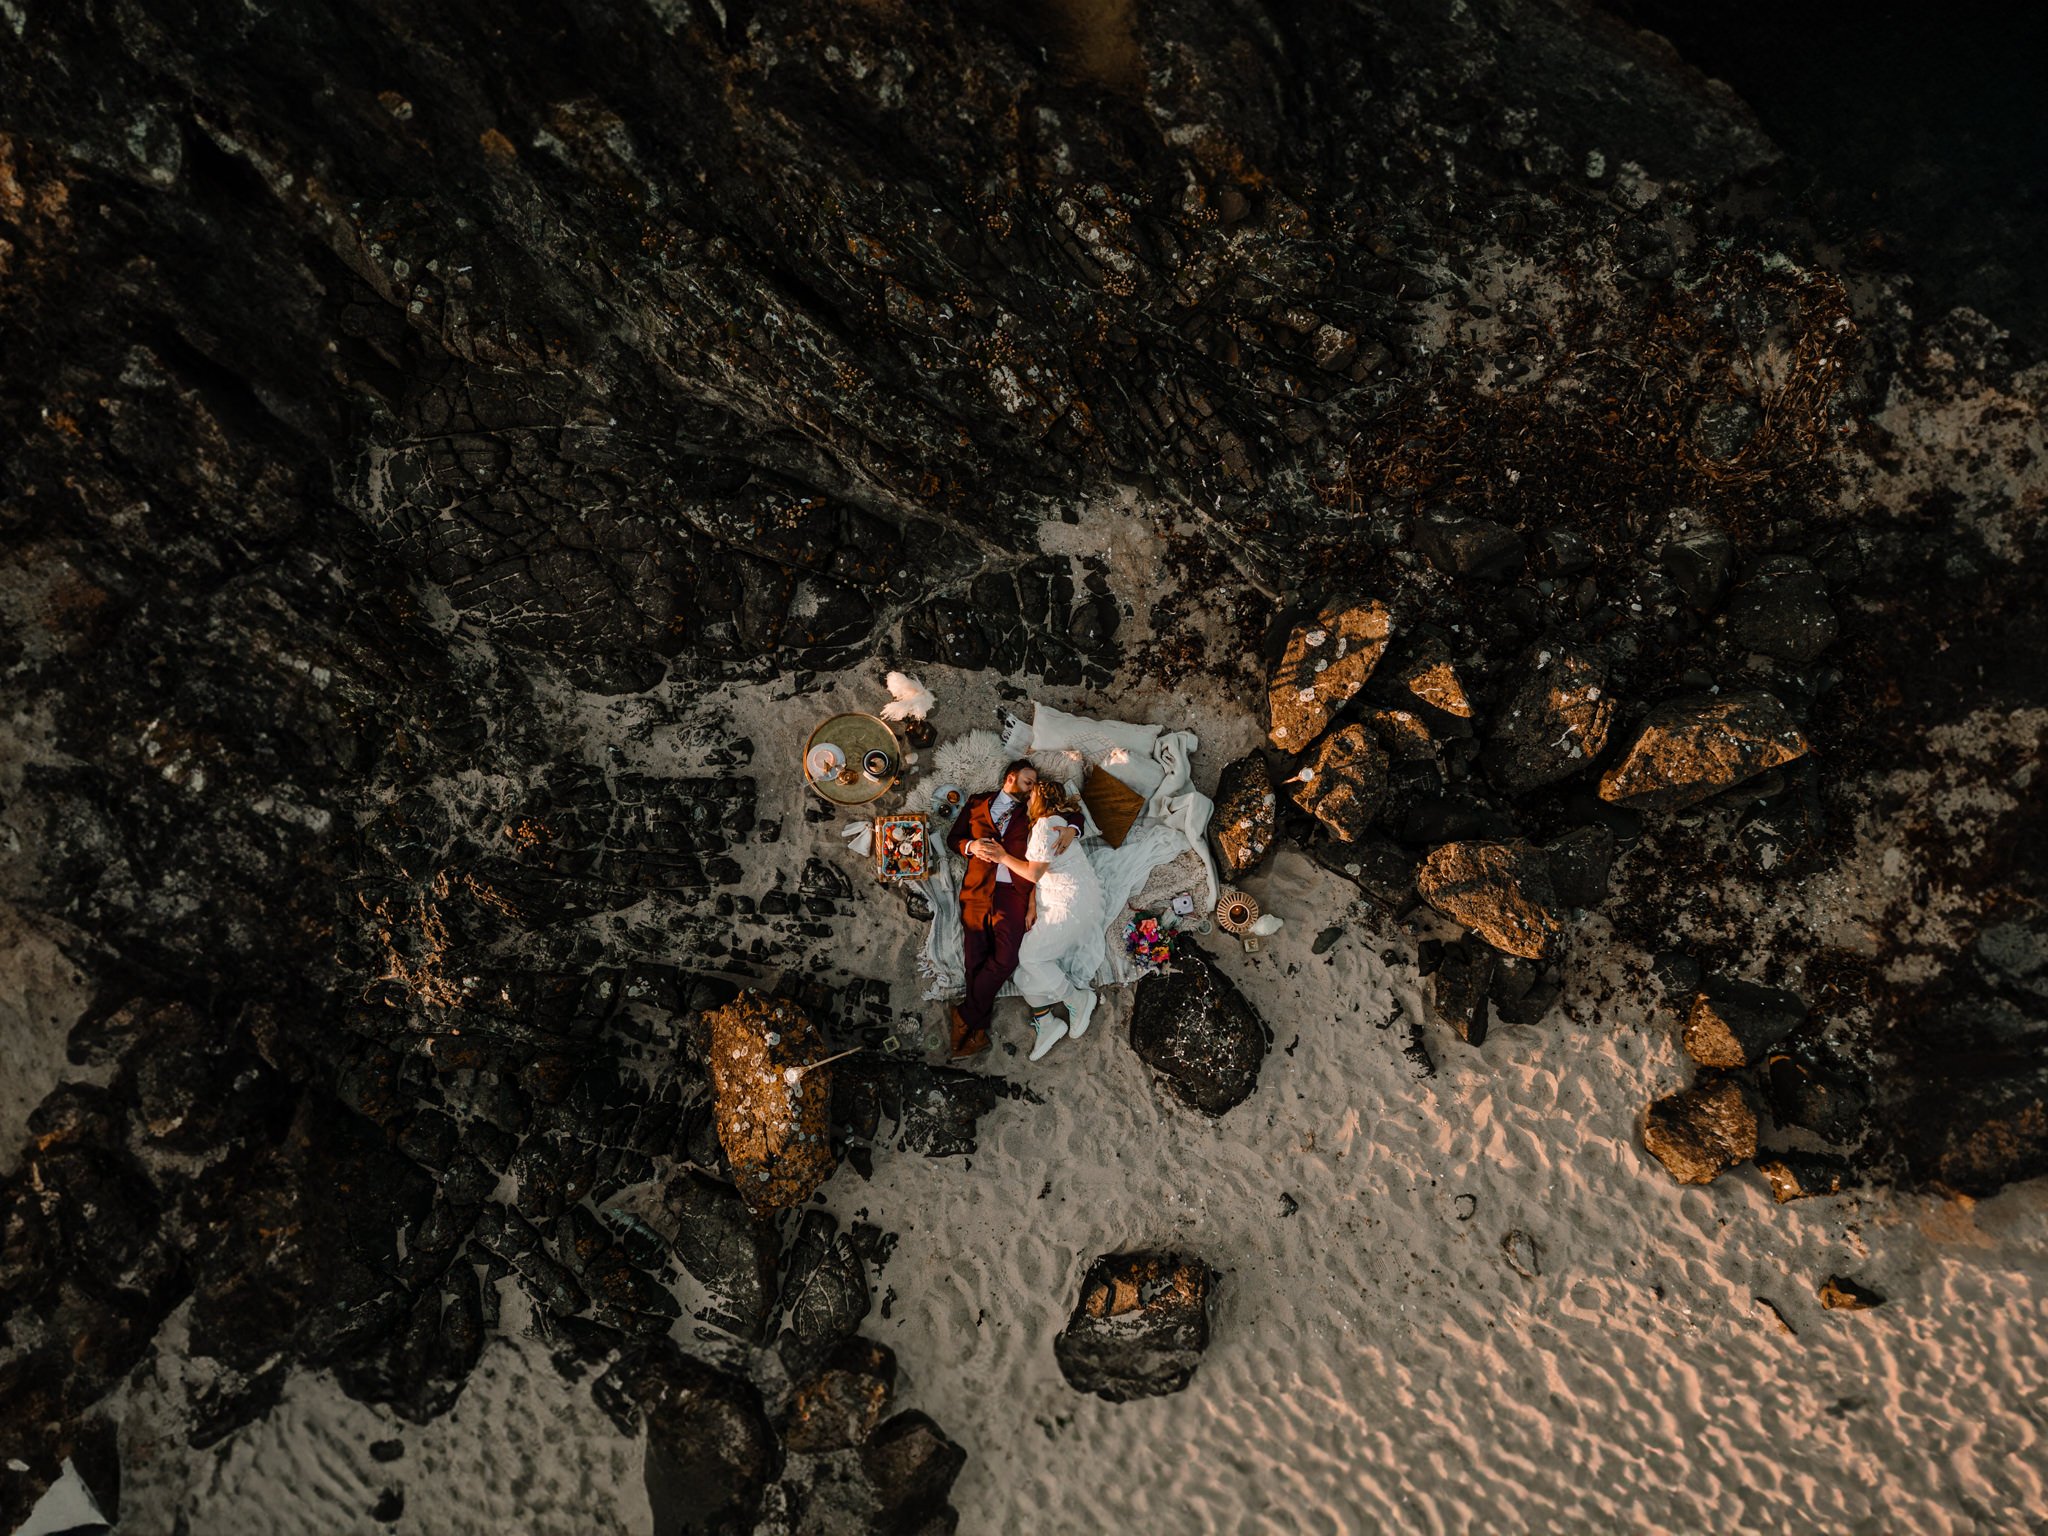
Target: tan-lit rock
{"points": [[1326, 661], [1347, 786], [1692, 749], [1697, 1133], [1734, 1023], [1501, 891], [1555, 722], [772, 1105]]}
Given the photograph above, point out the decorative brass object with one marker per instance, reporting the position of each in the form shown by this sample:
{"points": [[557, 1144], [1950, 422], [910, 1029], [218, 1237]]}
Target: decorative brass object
{"points": [[1236, 912]]}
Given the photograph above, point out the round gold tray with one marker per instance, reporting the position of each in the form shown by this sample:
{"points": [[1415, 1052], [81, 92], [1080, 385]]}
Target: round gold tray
{"points": [[855, 735]]}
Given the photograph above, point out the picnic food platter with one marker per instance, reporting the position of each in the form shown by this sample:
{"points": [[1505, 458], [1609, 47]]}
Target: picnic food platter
{"points": [[902, 847]]}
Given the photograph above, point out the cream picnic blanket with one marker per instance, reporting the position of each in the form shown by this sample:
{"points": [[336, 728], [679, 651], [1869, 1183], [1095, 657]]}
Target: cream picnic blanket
{"points": [[1156, 763]]}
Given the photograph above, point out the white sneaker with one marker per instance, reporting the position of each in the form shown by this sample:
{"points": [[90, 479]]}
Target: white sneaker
{"points": [[1080, 1012], [1052, 1029]]}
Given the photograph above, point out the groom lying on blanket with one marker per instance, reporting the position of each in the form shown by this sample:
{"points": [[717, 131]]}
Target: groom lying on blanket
{"points": [[993, 902]]}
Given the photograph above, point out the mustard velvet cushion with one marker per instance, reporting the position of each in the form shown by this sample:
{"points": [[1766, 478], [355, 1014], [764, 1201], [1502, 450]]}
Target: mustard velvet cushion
{"points": [[1113, 804]]}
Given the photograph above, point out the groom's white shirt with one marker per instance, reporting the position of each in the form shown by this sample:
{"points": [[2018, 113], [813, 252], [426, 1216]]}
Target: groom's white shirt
{"points": [[999, 812]]}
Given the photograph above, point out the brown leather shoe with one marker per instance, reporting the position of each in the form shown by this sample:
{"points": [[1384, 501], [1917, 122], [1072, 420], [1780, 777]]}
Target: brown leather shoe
{"points": [[973, 1045], [958, 1022]]}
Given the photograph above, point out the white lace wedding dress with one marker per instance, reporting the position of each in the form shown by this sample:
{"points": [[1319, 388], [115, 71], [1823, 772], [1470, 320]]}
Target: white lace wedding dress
{"points": [[1063, 950]]}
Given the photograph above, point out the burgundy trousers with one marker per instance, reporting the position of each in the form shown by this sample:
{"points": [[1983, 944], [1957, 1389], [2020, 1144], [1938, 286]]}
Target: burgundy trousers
{"points": [[991, 950]]}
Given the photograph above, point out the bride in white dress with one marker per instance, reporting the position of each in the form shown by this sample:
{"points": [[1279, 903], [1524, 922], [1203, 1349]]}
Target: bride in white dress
{"points": [[1064, 944]]}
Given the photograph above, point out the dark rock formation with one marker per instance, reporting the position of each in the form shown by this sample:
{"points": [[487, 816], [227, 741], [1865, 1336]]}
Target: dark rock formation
{"points": [[1140, 1326], [1781, 607], [1555, 723], [1459, 986], [825, 1293], [1501, 891], [730, 1251], [1699, 1132], [413, 417], [1326, 661], [1691, 749], [911, 1465], [839, 1405], [1194, 1028], [711, 1452], [1246, 820], [1736, 1023], [1800, 1175], [1347, 784], [1838, 1293], [1467, 546]]}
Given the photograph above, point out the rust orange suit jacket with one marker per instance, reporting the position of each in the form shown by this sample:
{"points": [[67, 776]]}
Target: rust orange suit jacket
{"points": [[978, 883]]}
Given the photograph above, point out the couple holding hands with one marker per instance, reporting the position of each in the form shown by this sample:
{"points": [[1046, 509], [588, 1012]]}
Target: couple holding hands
{"points": [[1032, 907]]}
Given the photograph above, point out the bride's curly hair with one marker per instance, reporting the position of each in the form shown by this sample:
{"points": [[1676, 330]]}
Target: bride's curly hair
{"points": [[1049, 797]]}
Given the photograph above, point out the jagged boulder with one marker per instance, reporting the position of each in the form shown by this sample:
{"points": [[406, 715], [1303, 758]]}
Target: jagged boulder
{"points": [[1554, 723], [1699, 564], [711, 1452], [773, 1100], [838, 1406], [1325, 662], [1691, 749], [1459, 985], [1501, 891], [1194, 1028], [911, 1465], [727, 1248], [1700, 1131], [1468, 546], [1246, 819], [1579, 861], [825, 1293], [1346, 787], [1801, 1175], [1139, 1327], [1736, 1023], [1781, 608]]}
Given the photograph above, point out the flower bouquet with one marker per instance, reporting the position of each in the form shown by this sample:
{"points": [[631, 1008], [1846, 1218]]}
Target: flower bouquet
{"points": [[1147, 941]]}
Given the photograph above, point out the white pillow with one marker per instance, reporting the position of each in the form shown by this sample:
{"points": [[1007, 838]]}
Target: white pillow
{"points": [[1124, 751]]}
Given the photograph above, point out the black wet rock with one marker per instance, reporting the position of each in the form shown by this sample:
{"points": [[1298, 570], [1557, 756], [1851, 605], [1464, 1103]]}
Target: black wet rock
{"points": [[1699, 564], [1973, 1124], [911, 1465], [1245, 822], [825, 1293], [1346, 788], [839, 1405], [1194, 1028], [727, 1249], [1579, 862], [1383, 871], [1781, 608], [711, 1452], [1554, 723], [1523, 991], [1139, 1326], [1829, 1101], [1734, 1023], [1468, 546], [1459, 987]]}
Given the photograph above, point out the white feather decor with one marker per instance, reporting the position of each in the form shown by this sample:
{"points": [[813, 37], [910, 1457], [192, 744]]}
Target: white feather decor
{"points": [[975, 762], [908, 698]]}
